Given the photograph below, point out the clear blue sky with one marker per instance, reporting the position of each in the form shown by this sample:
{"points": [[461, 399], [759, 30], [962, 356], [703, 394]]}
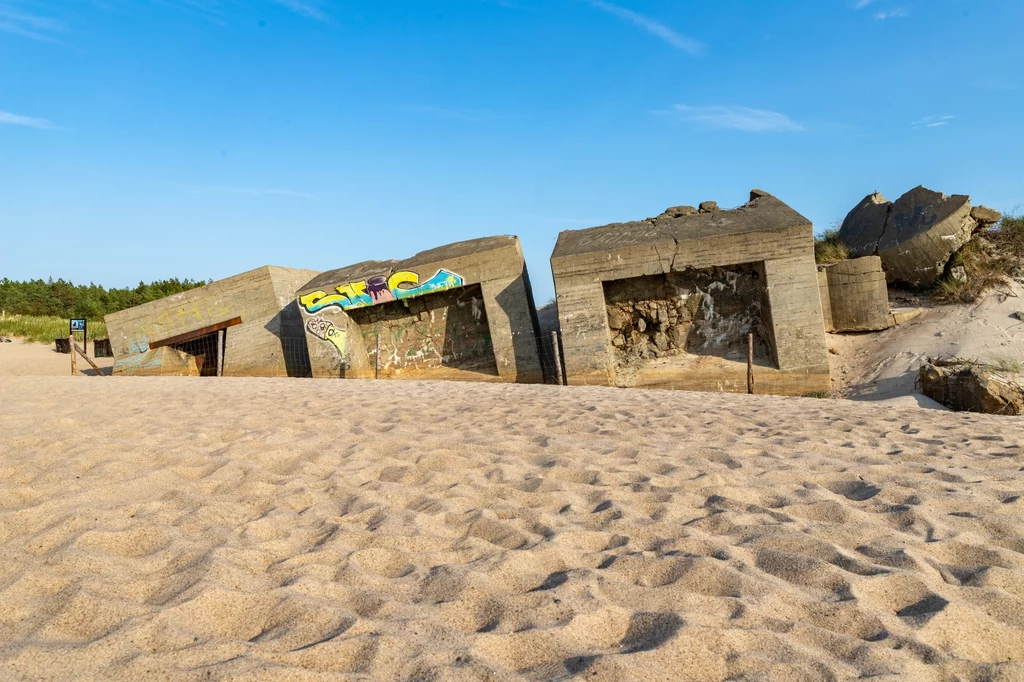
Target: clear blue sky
{"points": [[143, 139]]}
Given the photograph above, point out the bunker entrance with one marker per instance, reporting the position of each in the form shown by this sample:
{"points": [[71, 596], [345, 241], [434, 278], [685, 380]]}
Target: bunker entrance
{"points": [[685, 322], [205, 345], [445, 334], [206, 350]]}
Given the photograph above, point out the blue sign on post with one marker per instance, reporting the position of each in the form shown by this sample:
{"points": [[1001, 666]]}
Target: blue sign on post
{"points": [[78, 325]]}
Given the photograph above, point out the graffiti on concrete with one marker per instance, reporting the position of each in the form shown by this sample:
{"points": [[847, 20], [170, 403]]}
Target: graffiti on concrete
{"points": [[325, 329], [380, 289]]}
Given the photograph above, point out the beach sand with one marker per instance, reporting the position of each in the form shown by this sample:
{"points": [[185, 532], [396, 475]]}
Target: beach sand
{"points": [[19, 358], [276, 529]]}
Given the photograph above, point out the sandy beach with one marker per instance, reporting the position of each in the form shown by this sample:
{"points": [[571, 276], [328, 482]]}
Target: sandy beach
{"points": [[264, 529]]}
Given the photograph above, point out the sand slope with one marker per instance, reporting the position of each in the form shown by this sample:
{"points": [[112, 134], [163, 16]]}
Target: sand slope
{"points": [[295, 529]]}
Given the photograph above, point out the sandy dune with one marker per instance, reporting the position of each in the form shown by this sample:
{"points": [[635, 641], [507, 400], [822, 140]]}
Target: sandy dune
{"points": [[295, 529]]}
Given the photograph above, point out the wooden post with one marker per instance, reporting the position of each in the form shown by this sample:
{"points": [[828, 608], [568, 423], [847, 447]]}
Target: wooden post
{"points": [[557, 356], [376, 374], [221, 339], [750, 364], [75, 348], [71, 345]]}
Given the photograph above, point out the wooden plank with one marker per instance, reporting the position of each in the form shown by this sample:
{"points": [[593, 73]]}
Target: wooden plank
{"points": [[188, 336], [82, 352]]}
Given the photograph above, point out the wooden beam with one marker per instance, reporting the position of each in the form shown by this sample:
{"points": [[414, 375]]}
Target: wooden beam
{"points": [[82, 353], [188, 336]]}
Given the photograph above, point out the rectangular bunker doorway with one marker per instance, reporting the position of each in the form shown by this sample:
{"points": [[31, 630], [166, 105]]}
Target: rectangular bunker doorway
{"points": [[688, 329], [444, 335], [207, 350]]}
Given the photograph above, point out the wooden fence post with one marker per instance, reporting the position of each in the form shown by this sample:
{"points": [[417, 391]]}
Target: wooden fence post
{"points": [[71, 347], [557, 356], [750, 364]]}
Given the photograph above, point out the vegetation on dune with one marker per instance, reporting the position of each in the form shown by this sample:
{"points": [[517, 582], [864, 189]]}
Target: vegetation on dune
{"points": [[45, 329], [988, 260], [66, 300], [828, 249]]}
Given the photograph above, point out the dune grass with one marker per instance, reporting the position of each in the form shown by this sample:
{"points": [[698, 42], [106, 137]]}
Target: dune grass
{"points": [[41, 329], [828, 249], [989, 260]]}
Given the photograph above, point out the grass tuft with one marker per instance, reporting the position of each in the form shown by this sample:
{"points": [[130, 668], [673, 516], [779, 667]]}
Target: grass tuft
{"points": [[989, 260], [828, 249], [39, 329]]}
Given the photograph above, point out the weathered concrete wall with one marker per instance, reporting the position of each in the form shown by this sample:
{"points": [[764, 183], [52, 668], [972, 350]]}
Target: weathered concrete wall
{"points": [[268, 342], [487, 276], [684, 316], [443, 335], [857, 294], [159, 362], [765, 233]]}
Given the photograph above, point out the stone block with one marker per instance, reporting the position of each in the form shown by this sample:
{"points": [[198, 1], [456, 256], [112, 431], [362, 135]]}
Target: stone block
{"points": [[986, 216]]}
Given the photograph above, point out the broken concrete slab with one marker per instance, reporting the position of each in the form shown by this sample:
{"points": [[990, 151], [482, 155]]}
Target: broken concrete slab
{"points": [[972, 388], [924, 229], [708, 206], [864, 225], [904, 315], [857, 294], [986, 216], [915, 236]]}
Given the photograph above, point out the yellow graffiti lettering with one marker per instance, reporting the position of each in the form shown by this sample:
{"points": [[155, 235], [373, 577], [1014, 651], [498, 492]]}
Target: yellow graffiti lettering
{"points": [[402, 277], [337, 337], [352, 290], [320, 299]]}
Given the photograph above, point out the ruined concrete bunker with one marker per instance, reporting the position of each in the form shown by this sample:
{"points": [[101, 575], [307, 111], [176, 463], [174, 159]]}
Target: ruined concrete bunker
{"points": [[668, 302], [462, 312], [246, 325]]}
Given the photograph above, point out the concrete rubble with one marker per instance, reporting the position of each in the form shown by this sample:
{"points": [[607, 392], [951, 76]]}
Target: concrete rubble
{"points": [[916, 235], [968, 387]]}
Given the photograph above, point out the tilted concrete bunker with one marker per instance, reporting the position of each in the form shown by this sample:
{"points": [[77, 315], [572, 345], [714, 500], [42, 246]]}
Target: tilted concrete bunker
{"points": [[668, 302], [463, 311], [246, 325]]}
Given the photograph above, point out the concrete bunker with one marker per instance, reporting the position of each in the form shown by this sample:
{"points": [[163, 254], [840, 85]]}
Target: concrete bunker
{"points": [[460, 312], [668, 302], [246, 325]]}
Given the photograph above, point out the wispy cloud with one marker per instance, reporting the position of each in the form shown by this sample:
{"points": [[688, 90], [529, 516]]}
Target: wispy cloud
{"points": [[31, 26], [861, 4], [932, 122], [254, 192], [734, 117], [306, 9], [897, 13], [669, 35], [27, 121]]}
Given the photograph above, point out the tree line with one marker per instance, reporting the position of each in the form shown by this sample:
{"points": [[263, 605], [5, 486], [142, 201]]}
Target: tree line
{"points": [[65, 299]]}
